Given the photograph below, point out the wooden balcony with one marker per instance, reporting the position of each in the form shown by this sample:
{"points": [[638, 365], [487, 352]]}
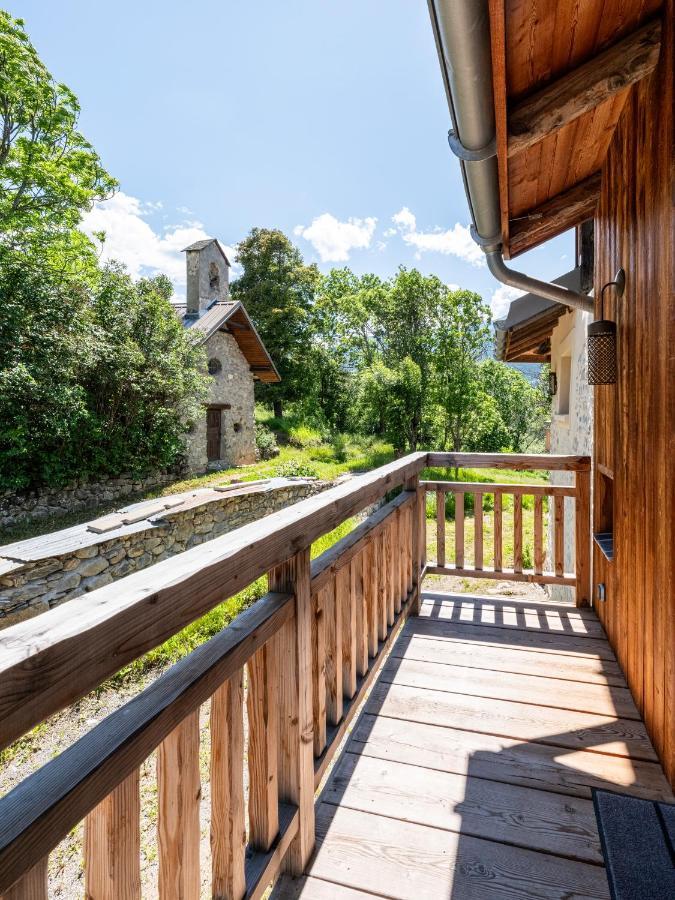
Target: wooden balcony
{"points": [[467, 773]]}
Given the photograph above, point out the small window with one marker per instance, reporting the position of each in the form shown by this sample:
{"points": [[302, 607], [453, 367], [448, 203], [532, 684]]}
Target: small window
{"points": [[215, 366], [214, 279], [564, 374]]}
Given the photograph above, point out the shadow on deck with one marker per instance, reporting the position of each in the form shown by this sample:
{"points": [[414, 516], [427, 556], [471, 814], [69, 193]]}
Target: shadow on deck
{"points": [[469, 771]]}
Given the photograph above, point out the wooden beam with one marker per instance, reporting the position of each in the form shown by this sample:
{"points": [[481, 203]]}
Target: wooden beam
{"points": [[584, 88], [556, 215], [549, 462]]}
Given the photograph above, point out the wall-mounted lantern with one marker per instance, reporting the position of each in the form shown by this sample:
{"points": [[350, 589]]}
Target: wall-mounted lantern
{"points": [[602, 339], [552, 384]]}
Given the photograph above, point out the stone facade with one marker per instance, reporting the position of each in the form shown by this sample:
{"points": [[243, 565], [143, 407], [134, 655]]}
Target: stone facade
{"points": [[40, 573], [232, 386], [28, 506], [571, 416]]}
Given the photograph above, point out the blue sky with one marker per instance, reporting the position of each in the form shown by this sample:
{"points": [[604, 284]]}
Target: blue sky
{"points": [[325, 118]]}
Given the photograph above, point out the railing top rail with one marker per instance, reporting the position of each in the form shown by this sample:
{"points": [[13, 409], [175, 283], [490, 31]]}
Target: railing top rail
{"points": [[549, 462], [489, 487], [54, 659], [42, 809]]}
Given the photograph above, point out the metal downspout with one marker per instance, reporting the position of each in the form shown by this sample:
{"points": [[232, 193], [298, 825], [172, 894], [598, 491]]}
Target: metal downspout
{"points": [[462, 33]]}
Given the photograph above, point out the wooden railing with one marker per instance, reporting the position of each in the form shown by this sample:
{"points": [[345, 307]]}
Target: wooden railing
{"points": [[295, 665], [537, 572]]}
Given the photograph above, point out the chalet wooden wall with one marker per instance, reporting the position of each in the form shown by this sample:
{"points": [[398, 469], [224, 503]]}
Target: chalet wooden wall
{"points": [[635, 419]]}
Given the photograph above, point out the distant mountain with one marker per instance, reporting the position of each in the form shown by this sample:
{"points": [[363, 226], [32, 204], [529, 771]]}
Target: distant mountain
{"points": [[529, 370]]}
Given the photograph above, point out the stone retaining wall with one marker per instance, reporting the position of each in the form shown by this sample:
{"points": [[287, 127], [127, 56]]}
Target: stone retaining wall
{"points": [[19, 506], [40, 573]]}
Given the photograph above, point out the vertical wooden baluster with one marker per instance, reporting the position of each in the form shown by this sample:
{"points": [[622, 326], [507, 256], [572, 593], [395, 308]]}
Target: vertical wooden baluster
{"points": [[356, 569], [392, 567], [296, 758], [517, 533], [31, 886], [410, 548], [582, 538], [333, 608], [478, 531], [372, 574], [440, 528], [416, 544], [263, 736], [422, 515], [498, 532], [559, 535], [345, 597], [400, 562], [538, 534], [382, 585], [228, 824], [112, 844], [179, 792], [459, 531], [319, 672]]}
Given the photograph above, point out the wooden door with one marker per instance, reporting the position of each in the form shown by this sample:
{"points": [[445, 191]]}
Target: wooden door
{"points": [[213, 433]]}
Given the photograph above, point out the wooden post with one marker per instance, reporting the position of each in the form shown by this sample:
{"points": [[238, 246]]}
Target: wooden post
{"points": [[228, 825], [382, 585], [370, 567], [538, 534], [296, 739], [392, 566], [415, 542], [319, 672], [517, 533], [263, 738], [333, 610], [361, 617], [582, 540], [440, 528], [32, 885], [498, 532], [459, 531], [559, 536], [478, 531], [179, 793], [112, 844]]}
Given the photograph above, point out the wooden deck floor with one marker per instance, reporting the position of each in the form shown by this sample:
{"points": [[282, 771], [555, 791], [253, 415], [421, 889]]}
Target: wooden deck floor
{"points": [[469, 771]]}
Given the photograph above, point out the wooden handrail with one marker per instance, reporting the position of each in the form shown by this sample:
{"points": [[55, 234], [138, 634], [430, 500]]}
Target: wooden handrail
{"points": [[488, 487], [549, 462], [52, 660], [42, 809]]}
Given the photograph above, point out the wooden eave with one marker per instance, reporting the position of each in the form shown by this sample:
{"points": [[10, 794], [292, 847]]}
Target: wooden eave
{"points": [[250, 343], [530, 341], [561, 75]]}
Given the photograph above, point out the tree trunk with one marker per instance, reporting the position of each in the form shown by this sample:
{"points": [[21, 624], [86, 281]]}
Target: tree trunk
{"points": [[278, 409]]}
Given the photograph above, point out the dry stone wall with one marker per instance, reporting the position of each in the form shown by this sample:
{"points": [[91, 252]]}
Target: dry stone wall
{"points": [[40, 573]]}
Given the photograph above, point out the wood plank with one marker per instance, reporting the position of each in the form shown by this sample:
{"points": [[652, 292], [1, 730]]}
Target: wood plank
{"points": [[489, 487], [31, 886], [263, 866], [309, 888], [355, 849], [178, 796], [549, 462], [585, 87], [361, 619], [511, 814], [498, 758], [49, 661], [478, 531], [559, 535], [383, 585], [517, 660], [228, 824], [333, 608], [440, 527], [526, 722], [399, 563], [43, 808], [263, 730], [296, 762], [605, 700], [370, 575], [538, 535], [319, 671], [497, 532], [392, 570], [518, 535], [345, 597], [502, 575], [409, 580], [459, 530], [112, 844], [582, 539], [537, 641], [554, 215]]}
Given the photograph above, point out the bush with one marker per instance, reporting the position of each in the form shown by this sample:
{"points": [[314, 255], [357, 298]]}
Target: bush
{"points": [[265, 443], [294, 468], [303, 436], [338, 444]]}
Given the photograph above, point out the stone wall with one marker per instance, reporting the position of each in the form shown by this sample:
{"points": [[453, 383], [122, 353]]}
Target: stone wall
{"points": [[232, 385], [571, 430], [40, 573], [28, 506]]}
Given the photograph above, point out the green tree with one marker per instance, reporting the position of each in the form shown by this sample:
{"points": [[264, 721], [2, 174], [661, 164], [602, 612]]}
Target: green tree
{"points": [[523, 407], [278, 289], [390, 400], [49, 173]]}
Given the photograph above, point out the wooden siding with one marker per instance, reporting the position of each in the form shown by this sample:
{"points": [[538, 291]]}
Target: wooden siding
{"points": [[634, 422]]}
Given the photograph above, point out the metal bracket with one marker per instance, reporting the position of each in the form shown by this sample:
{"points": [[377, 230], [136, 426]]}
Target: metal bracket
{"points": [[467, 155]]}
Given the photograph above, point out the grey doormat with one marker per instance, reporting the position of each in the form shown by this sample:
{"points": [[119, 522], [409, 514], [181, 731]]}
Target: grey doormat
{"points": [[638, 843]]}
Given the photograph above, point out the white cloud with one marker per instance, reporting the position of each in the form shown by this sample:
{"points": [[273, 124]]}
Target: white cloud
{"points": [[456, 241], [130, 239], [334, 240], [501, 300]]}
